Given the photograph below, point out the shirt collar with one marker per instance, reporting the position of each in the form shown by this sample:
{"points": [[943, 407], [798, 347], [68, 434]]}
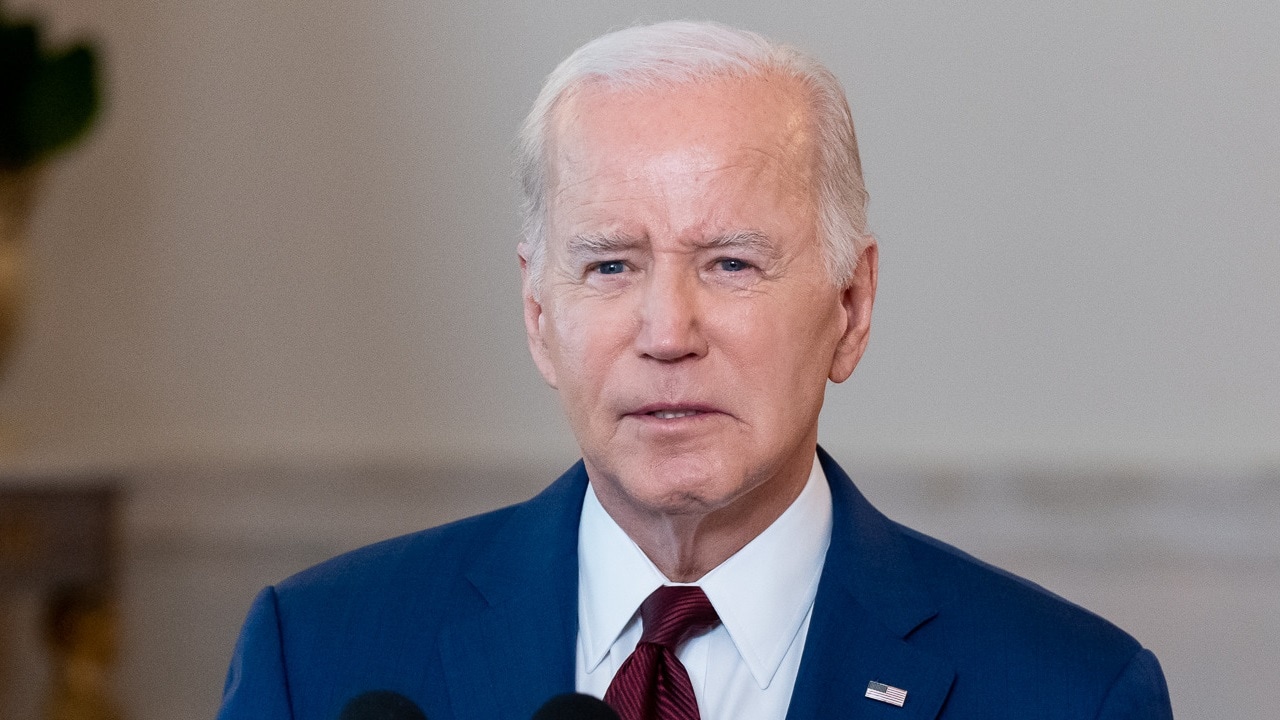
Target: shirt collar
{"points": [[763, 593]]}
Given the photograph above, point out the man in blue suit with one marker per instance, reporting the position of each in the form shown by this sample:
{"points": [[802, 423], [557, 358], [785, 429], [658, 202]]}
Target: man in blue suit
{"points": [[696, 267]]}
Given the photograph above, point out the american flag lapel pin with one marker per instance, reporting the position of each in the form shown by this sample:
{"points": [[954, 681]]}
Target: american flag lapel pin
{"points": [[886, 693]]}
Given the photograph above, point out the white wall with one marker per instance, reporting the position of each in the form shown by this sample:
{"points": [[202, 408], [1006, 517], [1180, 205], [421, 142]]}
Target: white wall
{"points": [[294, 232]]}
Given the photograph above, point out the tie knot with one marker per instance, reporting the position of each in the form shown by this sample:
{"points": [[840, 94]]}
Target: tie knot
{"points": [[675, 613]]}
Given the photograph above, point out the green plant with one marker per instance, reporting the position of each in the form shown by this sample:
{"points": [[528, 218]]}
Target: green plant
{"points": [[49, 98]]}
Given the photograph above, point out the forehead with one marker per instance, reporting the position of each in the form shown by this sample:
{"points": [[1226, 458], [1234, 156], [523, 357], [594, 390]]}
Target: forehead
{"points": [[601, 134]]}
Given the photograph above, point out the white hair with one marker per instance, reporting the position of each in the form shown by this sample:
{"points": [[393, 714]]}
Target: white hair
{"points": [[683, 52]]}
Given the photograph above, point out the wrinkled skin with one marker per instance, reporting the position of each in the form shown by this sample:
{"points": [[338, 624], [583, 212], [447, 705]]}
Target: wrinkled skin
{"points": [[685, 314]]}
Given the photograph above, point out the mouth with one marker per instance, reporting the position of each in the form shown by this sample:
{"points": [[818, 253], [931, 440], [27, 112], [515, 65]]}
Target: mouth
{"points": [[664, 411], [673, 414]]}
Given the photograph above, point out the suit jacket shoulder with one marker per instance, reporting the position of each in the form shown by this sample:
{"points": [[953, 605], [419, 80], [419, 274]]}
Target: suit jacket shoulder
{"points": [[963, 638], [476, 618]]}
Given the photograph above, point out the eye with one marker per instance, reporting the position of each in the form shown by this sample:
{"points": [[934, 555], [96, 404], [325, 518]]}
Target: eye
{"points": [[611, 267], [732, 264]]}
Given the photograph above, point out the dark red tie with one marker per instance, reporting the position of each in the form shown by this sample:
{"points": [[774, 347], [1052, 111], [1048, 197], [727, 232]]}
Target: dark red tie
{"points": [[652, 684]]}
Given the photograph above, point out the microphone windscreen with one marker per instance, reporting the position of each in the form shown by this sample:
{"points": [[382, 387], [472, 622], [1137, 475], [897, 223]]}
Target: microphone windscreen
{"points": [[381, 705], [575, 706]]}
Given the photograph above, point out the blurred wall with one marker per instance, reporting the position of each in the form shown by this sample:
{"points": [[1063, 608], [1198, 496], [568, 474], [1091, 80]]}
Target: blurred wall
{"points": [[295, 231], [290, 249]]}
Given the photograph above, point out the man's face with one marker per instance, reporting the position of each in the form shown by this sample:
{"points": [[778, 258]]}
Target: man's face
{"points": [[685, 313]]}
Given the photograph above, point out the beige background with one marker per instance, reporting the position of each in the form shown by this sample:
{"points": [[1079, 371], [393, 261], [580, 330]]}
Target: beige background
{"points": [[278, 290]]}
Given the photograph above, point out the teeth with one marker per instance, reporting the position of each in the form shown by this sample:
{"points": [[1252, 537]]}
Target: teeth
{"points": [[673, 414]]}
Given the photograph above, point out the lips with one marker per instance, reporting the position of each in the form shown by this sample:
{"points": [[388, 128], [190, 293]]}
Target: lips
{"points": [[672, 414], [672, 411]]}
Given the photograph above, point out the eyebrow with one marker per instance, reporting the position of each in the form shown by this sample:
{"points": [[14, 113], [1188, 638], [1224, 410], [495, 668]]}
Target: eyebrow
{"points": [[590, 247], [593, 244], [586, 246], [750, 240]]}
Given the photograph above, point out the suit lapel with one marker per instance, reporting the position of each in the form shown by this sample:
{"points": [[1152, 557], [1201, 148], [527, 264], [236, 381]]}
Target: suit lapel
{"points": [[505, 659], [870, 599]]}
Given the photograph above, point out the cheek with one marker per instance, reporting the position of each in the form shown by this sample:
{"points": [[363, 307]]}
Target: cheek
{"points": [[784, 346], [586, 344]]}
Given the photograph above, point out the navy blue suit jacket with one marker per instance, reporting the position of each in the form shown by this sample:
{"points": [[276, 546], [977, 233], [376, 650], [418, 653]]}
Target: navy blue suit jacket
{"points": [[478, 619]]}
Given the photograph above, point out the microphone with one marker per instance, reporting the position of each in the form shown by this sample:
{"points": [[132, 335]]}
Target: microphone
{"points": [[381, 705], [575, 706]]}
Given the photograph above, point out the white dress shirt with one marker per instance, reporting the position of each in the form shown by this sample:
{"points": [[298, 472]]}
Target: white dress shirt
{"points": [[746, 667]]}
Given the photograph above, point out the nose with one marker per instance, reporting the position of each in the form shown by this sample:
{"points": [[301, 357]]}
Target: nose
{"points": [[670, 321]]}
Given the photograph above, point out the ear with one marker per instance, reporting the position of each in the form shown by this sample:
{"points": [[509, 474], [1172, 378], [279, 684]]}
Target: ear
{"points": [[535, 320], [856, 300]]}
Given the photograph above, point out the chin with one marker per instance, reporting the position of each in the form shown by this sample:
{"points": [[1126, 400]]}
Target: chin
{"points": [[685, 484], [675, 501], [669, 479]]}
